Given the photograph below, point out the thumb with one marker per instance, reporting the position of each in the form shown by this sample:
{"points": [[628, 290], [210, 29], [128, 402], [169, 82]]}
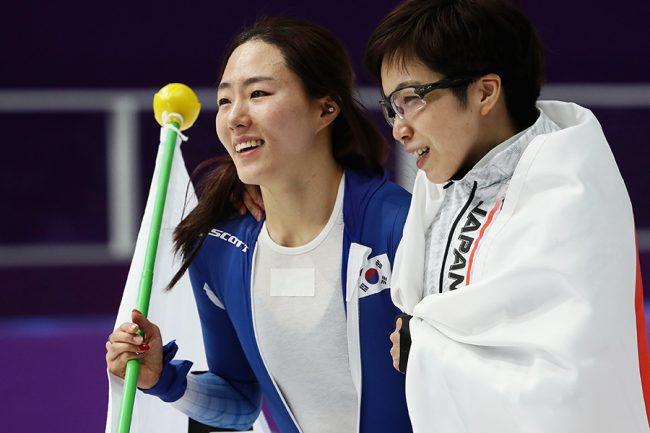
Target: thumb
{"points": [[143, 323]]}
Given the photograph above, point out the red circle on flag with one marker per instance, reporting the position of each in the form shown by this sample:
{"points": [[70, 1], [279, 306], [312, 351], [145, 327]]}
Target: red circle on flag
{"points": [[372, 276]]}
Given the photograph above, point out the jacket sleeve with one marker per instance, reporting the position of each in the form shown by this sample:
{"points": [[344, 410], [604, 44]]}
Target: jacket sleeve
{"points": [[226, 396]]}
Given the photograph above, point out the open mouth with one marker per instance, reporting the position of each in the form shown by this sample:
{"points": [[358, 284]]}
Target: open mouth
{"points": [[421, 151], [247, 146]]}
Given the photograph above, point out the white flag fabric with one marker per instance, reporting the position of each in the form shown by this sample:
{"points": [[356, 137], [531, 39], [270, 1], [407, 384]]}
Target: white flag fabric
{"points": [[544, 338], [174, 312]]}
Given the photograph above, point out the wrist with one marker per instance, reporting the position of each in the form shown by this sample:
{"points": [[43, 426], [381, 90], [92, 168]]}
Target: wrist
{"points": [[172, 380]]}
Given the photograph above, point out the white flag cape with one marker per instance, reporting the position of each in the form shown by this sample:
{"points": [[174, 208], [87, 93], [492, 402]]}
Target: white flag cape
{"points": [[544, 338], [174, 312]]}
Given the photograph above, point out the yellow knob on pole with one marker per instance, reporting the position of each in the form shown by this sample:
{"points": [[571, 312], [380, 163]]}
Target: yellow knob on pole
{"points": [[176, 98]]}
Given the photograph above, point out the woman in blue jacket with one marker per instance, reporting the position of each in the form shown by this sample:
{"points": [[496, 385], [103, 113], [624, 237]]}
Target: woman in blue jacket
{"points": [[294, 308]]}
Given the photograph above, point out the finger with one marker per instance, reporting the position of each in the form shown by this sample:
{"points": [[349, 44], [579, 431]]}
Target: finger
{"points": [[115, 350], [118, 365], [141, 321], [148, 328], [256, 195], [398, 324], [394, 338], [395, 356], [125, 337], [250, 204], [129, 327]]}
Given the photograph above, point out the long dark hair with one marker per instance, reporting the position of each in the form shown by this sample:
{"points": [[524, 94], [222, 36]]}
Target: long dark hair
{"points": [[317, 57]]}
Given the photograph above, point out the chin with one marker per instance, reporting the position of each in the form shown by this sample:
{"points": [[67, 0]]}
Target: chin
{"points": [[435, 177], [256, 177], [249, 179], [247, 176]]}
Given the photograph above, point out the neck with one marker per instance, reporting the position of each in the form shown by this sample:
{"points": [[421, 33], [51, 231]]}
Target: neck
{"points": [[298, 208], [496, 128]]}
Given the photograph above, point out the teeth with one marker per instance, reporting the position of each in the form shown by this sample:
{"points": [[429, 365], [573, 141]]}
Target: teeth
{"points": [[421, 151], [247, 145]]}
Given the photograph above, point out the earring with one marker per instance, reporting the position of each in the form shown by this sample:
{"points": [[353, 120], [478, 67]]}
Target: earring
{"points": [[330, 109]]}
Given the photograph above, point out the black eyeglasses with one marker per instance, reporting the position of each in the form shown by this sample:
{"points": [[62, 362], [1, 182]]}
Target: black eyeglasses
{"points": [[407, 100]]}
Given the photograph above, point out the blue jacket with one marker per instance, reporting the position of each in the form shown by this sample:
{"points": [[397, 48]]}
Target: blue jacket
{"points": [[374, 212]]}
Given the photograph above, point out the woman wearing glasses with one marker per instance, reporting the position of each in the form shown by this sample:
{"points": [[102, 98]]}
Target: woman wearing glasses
{"points": [[518, 262], [295, 308]]}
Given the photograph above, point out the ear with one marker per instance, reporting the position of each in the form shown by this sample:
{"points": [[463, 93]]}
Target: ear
{"points": [[329, 110], [489, 92]]}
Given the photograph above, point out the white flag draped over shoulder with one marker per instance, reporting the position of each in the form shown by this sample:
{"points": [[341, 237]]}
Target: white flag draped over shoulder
{"points": [[174, 312], [544, 338]]}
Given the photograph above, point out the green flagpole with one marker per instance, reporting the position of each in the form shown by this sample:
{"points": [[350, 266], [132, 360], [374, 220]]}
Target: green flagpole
{"points": [[176, 107]]}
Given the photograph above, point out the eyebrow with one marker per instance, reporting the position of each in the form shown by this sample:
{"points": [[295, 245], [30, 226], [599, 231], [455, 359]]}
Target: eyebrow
{"points": [[247, 81], [409, 83], [402, 85]]}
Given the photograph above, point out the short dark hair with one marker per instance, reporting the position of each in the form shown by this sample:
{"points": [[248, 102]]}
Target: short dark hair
{"points": [[465, 37]]}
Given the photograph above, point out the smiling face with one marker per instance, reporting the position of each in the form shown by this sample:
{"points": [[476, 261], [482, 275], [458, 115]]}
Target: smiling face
{"points": [[443, 135], [266, 122]]}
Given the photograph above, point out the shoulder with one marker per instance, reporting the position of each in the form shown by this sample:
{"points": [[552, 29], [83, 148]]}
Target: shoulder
{"points": [[576, 133], [389, 202], [387, 211], [377, 190], [576, 152], [234, 235], [377, 210], [228, 244], [391, 195]]}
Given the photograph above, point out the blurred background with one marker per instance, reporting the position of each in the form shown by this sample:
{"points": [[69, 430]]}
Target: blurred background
{"points": [[76, 83]]}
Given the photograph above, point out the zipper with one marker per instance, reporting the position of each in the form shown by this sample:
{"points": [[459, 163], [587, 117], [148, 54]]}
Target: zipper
{"points": [[357, 257], [275, 385], [451, 234]]}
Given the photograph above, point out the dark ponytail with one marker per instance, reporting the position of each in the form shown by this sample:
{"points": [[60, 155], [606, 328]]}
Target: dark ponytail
{"points": [[218, 191], [320, 61]]}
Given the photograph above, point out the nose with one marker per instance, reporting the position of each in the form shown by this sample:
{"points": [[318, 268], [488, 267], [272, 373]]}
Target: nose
{"points": [[238, 115], [401, 131]]}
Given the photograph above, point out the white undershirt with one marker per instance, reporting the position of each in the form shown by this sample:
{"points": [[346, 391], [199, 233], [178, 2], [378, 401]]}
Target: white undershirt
{"points": [[301, 326]]}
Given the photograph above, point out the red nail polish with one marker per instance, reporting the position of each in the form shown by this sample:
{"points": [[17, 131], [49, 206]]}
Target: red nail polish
{"points": [[143, 347], [137, 311]]}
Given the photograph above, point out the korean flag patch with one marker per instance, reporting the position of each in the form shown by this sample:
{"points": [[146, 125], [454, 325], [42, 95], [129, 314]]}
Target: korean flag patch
{"points": [[375, 276]]}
